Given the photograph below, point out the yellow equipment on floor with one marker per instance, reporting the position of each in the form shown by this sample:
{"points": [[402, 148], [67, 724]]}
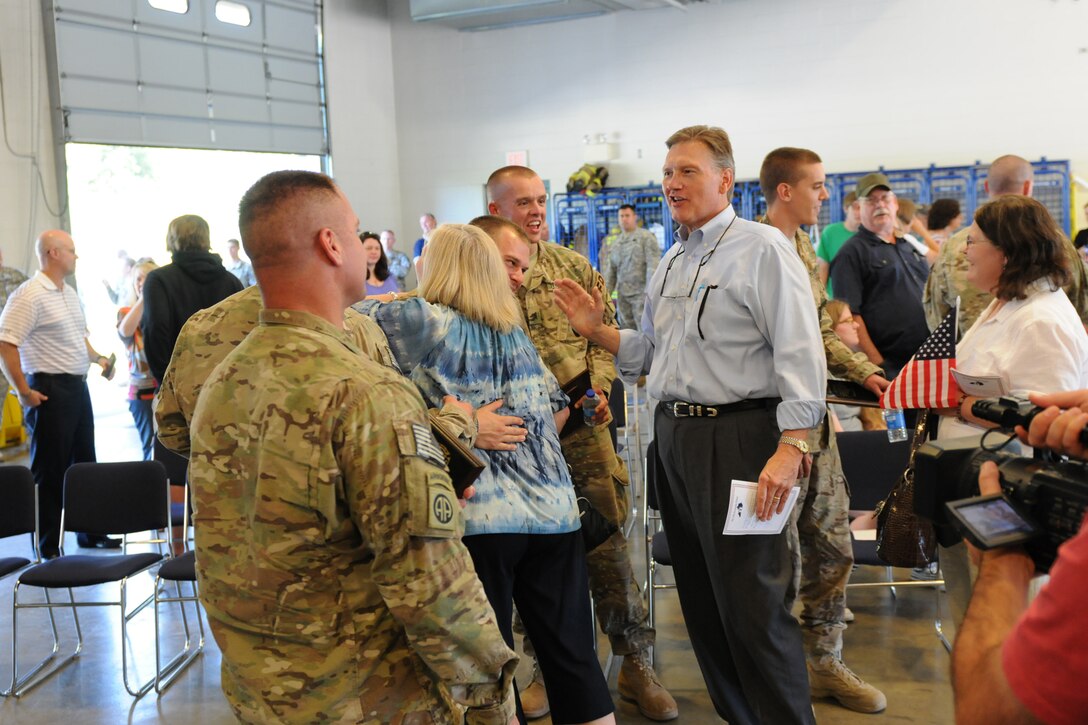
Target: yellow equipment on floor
{"points": [[12, 432]]}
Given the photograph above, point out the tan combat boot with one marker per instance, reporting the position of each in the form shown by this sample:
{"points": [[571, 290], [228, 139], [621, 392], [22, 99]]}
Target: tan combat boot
{"points": [[829, 677], [534, 698], [638, 683]]}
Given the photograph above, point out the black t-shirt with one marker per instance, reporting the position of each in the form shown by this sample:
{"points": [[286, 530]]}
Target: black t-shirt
{"points": [[1081, 239], [883, 283]]}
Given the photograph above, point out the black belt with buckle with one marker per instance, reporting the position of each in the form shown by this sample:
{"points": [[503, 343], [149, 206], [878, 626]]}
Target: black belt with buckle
{"points": [[57, 376], [683, 409]]}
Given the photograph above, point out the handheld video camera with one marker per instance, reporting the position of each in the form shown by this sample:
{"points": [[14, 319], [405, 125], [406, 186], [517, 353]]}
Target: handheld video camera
{"points": [[1043, 501]]}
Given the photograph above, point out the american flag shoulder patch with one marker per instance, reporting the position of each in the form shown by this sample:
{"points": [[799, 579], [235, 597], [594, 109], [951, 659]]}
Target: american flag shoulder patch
{"points": [[426, 446]]}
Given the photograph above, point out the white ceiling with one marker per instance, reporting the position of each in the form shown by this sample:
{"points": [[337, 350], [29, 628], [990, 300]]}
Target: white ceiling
{"points": [[478, 15]]}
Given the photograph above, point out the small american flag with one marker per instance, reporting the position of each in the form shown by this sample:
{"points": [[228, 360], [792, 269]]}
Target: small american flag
{"points": [[926, 380]]}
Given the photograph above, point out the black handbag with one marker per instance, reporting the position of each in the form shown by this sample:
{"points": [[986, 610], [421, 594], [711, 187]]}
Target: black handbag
{"points": [[596, 529], [902, 537]]}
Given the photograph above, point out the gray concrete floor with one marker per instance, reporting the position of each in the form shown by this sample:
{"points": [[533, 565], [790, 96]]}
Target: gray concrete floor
{"points": [[892, 644]]}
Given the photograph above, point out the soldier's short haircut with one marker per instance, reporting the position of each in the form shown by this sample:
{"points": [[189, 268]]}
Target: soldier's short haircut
{"points": [[188, 233], [494, 224], [463, 269], [626, 206], [273, 190], [499, 177], [714, 138], [1008, 174], [784, 166]]}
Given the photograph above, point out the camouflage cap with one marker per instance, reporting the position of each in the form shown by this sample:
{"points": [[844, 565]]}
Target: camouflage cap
{"points": [[870, 182]]}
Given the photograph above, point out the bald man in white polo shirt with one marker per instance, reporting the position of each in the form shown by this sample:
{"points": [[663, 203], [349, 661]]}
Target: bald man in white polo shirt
{"points": [[45, 353]]}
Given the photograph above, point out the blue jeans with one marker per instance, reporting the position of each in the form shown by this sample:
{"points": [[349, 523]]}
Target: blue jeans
{"points": [[145, 422]]}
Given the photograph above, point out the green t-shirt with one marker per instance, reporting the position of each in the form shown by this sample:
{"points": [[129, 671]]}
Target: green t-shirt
{"points": [[831, 240]]}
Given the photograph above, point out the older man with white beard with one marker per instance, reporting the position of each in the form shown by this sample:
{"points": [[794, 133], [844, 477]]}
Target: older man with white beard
{"points": [[882, 277]]}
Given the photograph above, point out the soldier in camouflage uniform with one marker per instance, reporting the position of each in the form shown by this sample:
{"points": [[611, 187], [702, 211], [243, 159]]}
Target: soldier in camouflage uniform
{"points": [[629, 263], [10, 278], [205, 340], [792, 181], [328, 550], [948, 279], [517, 193]]}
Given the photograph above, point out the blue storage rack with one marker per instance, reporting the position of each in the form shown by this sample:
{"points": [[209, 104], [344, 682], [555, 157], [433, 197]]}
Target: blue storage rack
{"points": [[954, 182], [755, 204], [740, 199], [650, 205], [606, 210], [586, 223], [570, 221], [1052, 189], [981, 197], [835, 195], [966, 184]]}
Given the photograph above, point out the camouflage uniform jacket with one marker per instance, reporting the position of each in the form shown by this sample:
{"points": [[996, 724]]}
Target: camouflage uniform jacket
{"points": [[564, 351], [328, 541], [205, 340], [10, 278], [948, 280], [630, 261], [842, 362]]}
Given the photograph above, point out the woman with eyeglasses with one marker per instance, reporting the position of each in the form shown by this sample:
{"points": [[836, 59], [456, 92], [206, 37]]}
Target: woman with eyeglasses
{"points": [[850, 417], [1029, 338]]}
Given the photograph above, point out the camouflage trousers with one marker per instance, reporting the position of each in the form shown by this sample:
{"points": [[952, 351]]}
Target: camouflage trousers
{"points": [[823, 553], [601, 477], [629, 311]]}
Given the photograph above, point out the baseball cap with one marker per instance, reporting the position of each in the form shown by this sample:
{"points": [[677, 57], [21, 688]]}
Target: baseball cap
{"points": [[872, 181]]}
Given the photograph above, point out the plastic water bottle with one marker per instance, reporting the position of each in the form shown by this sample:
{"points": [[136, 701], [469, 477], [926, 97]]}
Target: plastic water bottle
{"points": [[589, 406], [897, 425]]}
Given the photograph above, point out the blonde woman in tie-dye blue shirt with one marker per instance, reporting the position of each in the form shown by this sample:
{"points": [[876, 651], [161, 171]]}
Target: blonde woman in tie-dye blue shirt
{"points": [[463, 336], [479, 353]]}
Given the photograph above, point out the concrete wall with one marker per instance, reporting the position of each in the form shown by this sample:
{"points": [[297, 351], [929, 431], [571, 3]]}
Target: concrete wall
{"points": [[24, 206], [896, 82], [362, 121]]}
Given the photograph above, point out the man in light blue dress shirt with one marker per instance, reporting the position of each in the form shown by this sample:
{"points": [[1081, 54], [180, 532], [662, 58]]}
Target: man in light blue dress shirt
{"points": [[731, 346]]}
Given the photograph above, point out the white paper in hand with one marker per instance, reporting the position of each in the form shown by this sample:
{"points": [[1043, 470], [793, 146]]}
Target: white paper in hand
{"points": [[741, 518]]}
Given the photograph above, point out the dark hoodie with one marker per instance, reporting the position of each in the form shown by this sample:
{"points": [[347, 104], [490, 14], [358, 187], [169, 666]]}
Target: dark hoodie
{"points": [[173, 293]]}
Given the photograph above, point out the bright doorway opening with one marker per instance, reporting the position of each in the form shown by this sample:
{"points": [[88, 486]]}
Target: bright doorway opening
{"points": [[121, 198]]}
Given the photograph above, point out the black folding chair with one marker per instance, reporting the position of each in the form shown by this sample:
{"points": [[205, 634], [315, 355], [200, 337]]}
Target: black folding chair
{"points": [[177, 473], [19, 516], [179, 570], [99, 498], [657, 545]]}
